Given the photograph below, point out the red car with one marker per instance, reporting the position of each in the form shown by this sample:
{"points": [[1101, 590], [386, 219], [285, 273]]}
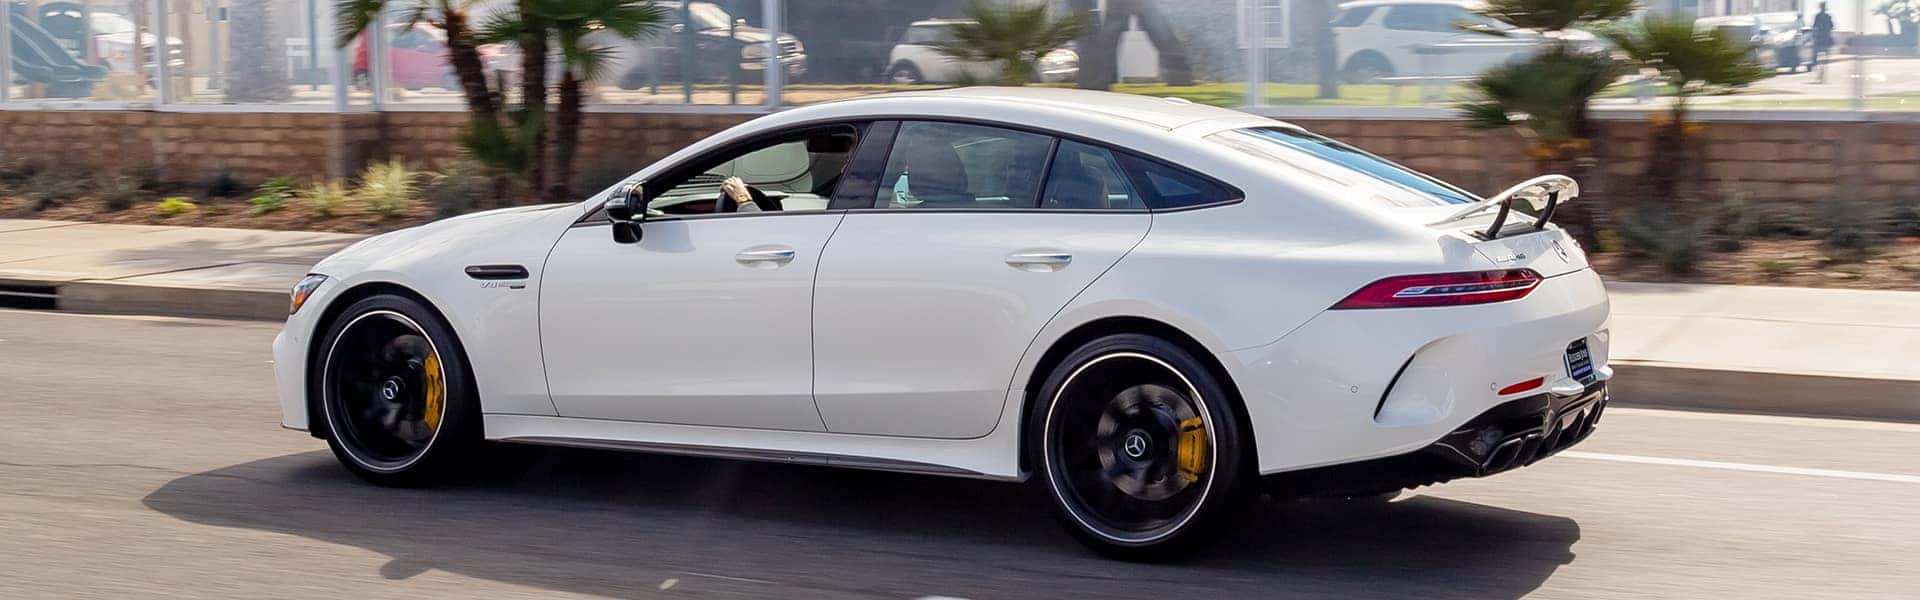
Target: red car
{"points": [[417, 59]]}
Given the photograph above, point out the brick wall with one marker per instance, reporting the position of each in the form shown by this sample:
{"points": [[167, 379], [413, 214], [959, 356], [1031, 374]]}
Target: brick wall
{"points": [[1766, 160], [255, 146]]}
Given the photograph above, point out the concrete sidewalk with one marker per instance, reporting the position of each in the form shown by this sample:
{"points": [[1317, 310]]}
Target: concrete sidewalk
{"points": [[145, 269], [1846, 353]]}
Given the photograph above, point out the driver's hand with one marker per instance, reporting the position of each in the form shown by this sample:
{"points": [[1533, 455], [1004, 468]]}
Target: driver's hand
{"points": [[736, 188]]}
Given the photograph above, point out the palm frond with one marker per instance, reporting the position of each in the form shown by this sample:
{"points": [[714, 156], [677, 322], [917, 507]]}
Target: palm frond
{"points": [[1545, 94], [1692, 61], [355, 16], [1014, 35], [1556, 15]]}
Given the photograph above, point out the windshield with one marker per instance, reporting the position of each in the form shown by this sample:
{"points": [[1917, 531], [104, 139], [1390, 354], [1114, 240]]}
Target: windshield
{"points": [[1381, 180], [709, 16]]}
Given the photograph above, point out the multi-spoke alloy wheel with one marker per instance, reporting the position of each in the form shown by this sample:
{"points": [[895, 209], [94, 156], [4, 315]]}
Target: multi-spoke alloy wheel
{"points": [[392, 390], [1139, 446]]}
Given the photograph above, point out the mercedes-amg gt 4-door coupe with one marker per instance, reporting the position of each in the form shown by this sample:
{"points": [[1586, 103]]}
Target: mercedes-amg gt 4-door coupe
{"points": [[1151, 309]]}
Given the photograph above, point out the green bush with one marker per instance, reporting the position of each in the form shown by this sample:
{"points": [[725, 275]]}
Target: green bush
{"points": [[47, 189], [120, 192], [271, 196], [1658, 235], [1849, 225], [174, 205], [456, 191], [325, 198], [387, 188]]}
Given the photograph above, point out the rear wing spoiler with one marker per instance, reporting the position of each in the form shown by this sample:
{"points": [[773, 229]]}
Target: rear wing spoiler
{"points": [[1543, 193]]}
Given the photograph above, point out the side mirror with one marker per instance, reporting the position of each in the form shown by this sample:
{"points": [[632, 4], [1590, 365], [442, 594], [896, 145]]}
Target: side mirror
{"points": [[626, 209]]}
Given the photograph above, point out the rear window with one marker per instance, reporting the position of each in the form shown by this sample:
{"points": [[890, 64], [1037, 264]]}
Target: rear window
{"points": [[1353, 17], [1386, 182]]}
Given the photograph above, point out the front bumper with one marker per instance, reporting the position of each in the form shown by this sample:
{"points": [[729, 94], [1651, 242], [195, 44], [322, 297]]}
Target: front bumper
{"points": [[1510, 435]]}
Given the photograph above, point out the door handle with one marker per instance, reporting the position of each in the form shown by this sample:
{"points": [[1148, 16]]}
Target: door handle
{"points": [[765, 256], [1039, 261]]}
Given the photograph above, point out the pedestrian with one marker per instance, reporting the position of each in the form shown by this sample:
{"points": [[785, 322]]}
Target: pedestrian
{"points": [[1822, 35]]}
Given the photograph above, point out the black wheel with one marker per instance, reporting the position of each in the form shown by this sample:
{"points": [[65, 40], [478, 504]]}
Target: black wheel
{"points": [[395, 393], [1366, 67], [904, 72], [1140, 448]]}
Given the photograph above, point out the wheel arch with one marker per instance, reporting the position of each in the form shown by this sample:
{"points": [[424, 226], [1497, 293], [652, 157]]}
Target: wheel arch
{"points": [[316, 422], [1073, 339]]}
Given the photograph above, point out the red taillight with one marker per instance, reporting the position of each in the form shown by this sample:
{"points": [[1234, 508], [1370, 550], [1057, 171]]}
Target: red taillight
{"points": [[1444, 289]]}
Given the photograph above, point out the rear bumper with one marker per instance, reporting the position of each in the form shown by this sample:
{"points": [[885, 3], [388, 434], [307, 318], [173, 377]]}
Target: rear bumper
{"points": [[1508, 436]]}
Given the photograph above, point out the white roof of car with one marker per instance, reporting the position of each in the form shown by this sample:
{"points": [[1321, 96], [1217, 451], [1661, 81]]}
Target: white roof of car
{"points": [[1164, 113], [941, 21]]}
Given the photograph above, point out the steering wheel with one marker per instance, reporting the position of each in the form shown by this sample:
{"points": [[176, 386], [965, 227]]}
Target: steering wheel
{"points": [[725, 203]]}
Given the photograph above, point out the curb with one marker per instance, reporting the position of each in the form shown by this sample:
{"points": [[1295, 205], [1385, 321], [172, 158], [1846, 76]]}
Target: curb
{"points": [[1654, 385], [108, 297], [1635, 384]]}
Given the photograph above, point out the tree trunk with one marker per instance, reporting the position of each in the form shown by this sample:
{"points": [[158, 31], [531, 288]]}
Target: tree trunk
{"points": [[566, 137], [533, 95], [465, 58], [257, 69], [1175, 66], [1100, 59], [1326, 56]]}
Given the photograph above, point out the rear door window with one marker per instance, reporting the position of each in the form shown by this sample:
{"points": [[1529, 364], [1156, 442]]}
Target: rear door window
{"points": [[1085, 177], [1353, 17], [937, 165]]}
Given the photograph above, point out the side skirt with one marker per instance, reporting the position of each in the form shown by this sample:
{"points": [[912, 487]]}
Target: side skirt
{"points": [[994, 456]]}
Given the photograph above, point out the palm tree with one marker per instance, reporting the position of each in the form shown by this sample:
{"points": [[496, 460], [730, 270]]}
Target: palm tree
{"points": [[1013, 35], [1691, 62], [355, 16], [583, 61], [1544, 98]]}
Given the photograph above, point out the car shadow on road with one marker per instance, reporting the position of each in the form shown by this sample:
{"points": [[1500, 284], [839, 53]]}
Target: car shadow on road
{"points": [[618, 524]]}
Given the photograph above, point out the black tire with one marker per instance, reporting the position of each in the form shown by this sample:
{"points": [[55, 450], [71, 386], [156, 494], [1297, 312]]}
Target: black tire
{"points": [[1366, 67], [1111, 436], [374, 394], [904, 72]]}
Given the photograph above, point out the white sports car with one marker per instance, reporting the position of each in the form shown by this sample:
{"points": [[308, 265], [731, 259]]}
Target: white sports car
{"points": [[1152, 308]]}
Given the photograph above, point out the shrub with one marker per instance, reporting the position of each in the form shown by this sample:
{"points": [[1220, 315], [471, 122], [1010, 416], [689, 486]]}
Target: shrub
{"points": [[1658, 235], [387, 188], [271, 196], [222, 185], [1904, 220], [325, 198], [174, 205], [1848, 225], [456, 191], [1776, 267], [47, 189], [120, 192]]}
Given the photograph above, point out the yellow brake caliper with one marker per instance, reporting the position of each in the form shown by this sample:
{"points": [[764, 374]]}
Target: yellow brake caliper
{"points": [[436, 390], [1193, 449]]}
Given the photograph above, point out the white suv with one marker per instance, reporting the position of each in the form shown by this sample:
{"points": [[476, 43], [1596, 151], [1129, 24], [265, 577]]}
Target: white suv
{"points": [[1383, 38], [915, 60]]}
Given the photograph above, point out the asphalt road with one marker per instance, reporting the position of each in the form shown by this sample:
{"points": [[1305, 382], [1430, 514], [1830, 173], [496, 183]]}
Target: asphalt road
{"points": [[142, 458]]}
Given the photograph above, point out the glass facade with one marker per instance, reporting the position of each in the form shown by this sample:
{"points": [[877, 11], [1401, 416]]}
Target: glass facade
{"points": [[1313, 56]]}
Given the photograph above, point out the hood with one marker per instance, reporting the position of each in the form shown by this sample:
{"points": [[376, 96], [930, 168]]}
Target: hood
{"points": [[472, 229]]}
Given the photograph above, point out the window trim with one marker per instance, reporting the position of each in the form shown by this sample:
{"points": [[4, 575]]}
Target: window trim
{"points": [[597, 216], [1237, 195], [865, 122]]}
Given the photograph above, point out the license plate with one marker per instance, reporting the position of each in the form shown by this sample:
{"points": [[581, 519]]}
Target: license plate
{"points": [[1579, 361]]}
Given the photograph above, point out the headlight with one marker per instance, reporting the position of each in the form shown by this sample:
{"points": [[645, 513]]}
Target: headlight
{"points": [[753, 52], [304, 290]]}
